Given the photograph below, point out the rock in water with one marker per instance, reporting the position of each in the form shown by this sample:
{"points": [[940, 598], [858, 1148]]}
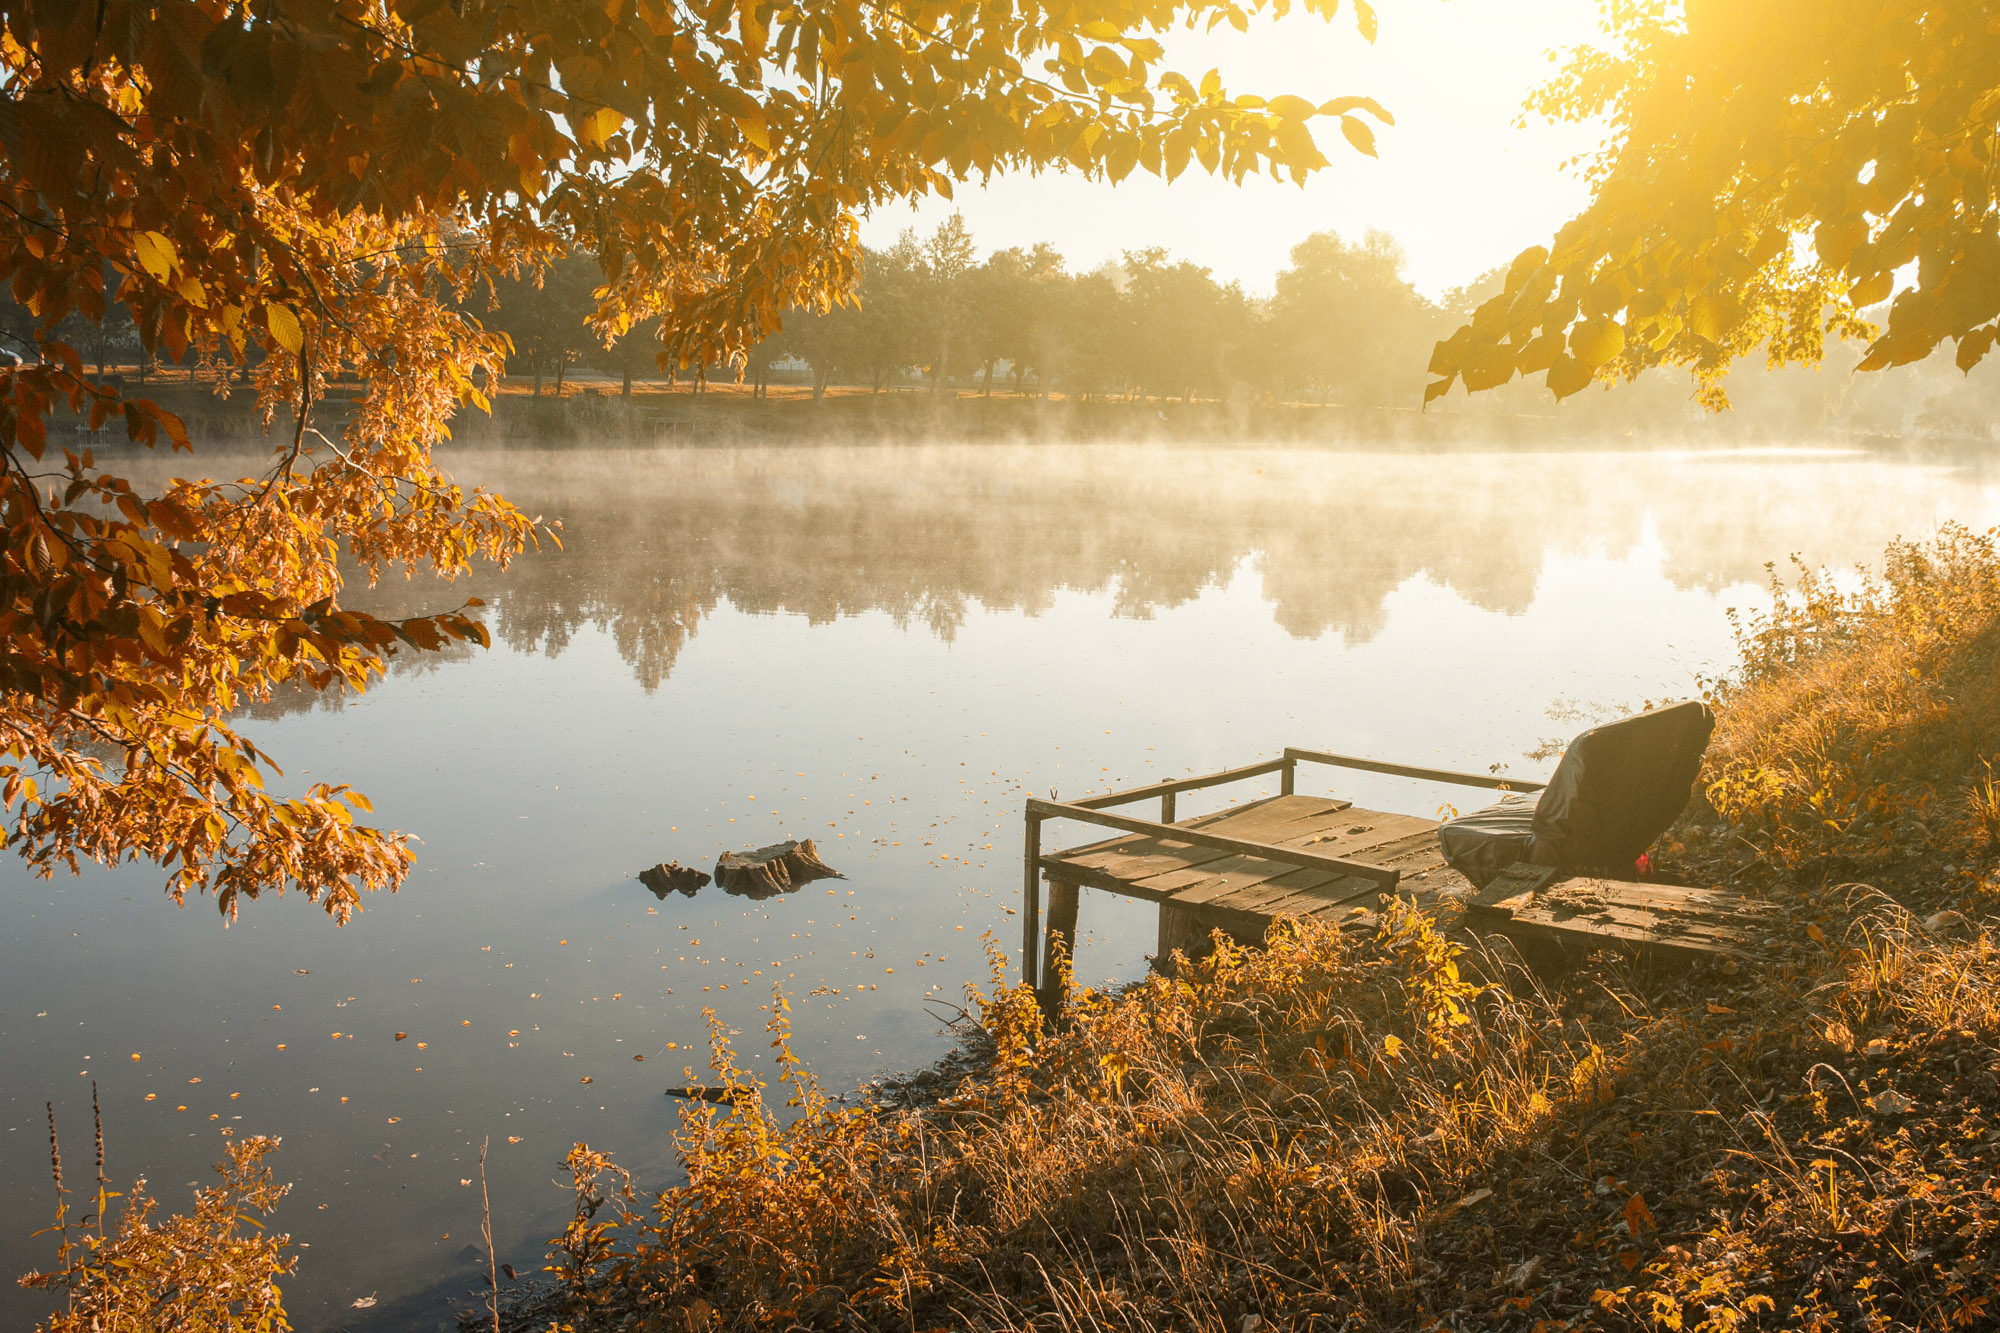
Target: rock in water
{"points": [[779, 868], [668, 876]]}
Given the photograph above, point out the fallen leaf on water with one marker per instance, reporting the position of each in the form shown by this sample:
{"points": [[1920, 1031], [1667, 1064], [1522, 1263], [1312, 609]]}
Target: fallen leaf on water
{"points": [[401, 1035], [513, 1138], [465, 1180], [395, 1120], [586, 1079], [365, 1302]]}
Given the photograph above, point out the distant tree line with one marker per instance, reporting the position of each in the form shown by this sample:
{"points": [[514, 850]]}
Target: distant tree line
{"points": [[1341, 325]]}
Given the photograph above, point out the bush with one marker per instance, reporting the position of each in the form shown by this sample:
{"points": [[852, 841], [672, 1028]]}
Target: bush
{"points": [[214, 1270]]}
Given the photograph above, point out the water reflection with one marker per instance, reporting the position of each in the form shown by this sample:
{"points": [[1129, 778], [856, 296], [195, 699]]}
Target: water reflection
{"points": [[656, 540]]}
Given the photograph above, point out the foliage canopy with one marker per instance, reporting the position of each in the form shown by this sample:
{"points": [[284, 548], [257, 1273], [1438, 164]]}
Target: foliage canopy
{"points": [[315, 188], [1774, 168]]}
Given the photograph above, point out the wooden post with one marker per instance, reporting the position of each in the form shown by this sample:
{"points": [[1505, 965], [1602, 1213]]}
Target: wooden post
{"points": [[1061, 935], [1031, 903], [1286, 778], [1178, 930], [1167, 808]]}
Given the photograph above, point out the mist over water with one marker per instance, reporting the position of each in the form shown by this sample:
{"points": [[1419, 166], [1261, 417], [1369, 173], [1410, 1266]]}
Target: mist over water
{"points": [[884, 649]]}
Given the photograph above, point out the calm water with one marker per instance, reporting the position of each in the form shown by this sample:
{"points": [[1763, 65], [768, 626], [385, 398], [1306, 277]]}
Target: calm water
{"points": [[881, 649]]}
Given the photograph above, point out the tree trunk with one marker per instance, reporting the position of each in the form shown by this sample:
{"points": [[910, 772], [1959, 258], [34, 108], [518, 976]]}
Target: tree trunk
{"points": [[560, 362], [626, 392], [819, 384], [538, 379]]}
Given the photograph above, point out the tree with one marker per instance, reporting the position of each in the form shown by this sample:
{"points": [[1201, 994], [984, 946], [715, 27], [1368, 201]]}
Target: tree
{"points": [[1177, 317], [637, 352], [1014, 301], [947, 260], [1096, 331], [1774, 168], [546, 314], [312, 187], [1343, 320]]}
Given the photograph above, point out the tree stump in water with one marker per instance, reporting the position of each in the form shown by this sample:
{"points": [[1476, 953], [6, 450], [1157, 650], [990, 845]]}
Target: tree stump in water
{"points": [[668, 876], [779, 868]]}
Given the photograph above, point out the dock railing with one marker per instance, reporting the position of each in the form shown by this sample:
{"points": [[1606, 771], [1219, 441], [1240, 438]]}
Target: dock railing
{"points": [[1092, 810]]}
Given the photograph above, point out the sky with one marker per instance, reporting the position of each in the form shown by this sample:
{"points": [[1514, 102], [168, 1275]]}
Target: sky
{"points": [[1457, 183]]}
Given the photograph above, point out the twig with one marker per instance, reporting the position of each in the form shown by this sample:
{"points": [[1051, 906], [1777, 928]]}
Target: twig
{"points": [[486, 1232]]}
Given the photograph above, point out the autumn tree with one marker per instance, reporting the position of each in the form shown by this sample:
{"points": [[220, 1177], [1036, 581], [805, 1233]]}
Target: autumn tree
{"points": [[313, 188], [1774, 168]]}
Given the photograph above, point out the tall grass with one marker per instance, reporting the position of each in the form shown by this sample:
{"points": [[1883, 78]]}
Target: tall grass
{"points": [[1368, 1133], [1860, 728]]}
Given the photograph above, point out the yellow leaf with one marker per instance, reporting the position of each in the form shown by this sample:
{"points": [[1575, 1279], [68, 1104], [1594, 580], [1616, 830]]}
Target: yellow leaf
{"points": [[1358, 134], [1872, 290], [156, 254], [1290, 107], [755, 131], [596, 128], [285, 328], [1596, 341]]}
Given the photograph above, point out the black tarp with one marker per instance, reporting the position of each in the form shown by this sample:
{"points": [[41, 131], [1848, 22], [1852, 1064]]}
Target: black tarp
{"points": [[1617, 788], [1485, 842]]}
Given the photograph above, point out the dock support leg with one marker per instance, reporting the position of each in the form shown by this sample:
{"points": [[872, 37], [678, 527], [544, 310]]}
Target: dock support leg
{"points": [[1031, 904], [1178, 930], [1061, 937]]}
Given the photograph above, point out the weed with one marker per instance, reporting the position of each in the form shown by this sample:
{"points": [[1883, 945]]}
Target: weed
{"points": [[213, 1270]]}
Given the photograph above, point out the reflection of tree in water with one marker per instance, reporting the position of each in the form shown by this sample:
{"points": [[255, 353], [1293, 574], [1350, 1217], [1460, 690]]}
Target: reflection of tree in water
{"points": [[655, 540]]}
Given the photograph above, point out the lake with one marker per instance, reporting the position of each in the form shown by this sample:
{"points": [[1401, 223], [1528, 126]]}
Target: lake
{"points": [[885, 650]]}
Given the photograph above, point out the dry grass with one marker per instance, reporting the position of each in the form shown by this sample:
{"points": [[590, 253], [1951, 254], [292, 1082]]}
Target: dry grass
{"points": [[1858, 734], [1352, 1133]]}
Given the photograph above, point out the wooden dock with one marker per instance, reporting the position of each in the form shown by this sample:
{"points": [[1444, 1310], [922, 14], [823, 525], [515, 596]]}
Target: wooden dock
{"points": [[1326, 858]]}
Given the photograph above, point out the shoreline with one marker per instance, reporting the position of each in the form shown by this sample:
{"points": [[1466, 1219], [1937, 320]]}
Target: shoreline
{"points": [[726, 416]]}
